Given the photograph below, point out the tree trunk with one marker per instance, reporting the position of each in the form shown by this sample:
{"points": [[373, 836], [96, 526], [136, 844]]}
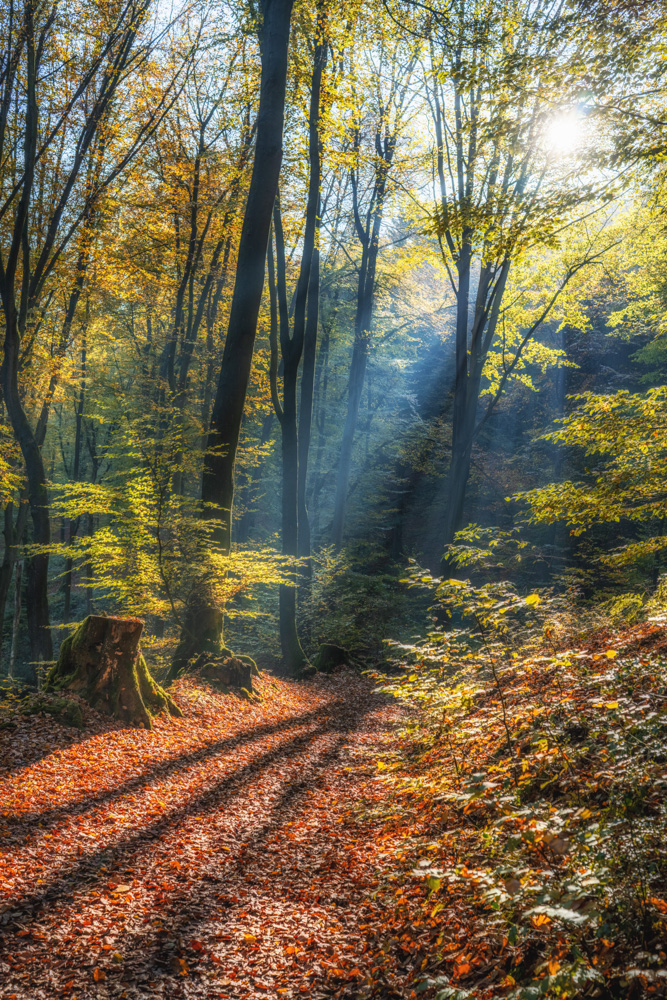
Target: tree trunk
{"points": [[294, 658], [312, 260], [306, 408], [296, 439], [218, 472], [370, 240], [16, 621], [201, 647], [102, 662], [76, 472], [201, 632], [362, 336], [320, 407], [37, 608], [6, 568], [467, 389]]}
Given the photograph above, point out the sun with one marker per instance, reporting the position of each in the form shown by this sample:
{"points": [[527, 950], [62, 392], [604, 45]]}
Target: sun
{"points": [[563, 134]]}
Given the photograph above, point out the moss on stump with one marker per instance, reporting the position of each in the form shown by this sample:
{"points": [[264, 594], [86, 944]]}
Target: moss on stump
{"points": [[102, 662]]}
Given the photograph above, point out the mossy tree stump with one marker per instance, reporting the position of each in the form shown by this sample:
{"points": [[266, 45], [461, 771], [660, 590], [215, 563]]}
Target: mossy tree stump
{"points": [[102, 662]]}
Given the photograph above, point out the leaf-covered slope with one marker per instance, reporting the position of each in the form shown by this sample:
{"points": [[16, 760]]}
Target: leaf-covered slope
{"points": [[530, 858]]}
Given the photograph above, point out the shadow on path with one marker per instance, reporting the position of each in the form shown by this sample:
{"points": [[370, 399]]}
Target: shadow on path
{"points": [[20, 828], [115, 857]]}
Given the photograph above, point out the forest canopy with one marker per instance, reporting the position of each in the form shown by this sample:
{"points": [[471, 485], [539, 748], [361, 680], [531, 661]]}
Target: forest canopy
{"points": [[295, 293]]}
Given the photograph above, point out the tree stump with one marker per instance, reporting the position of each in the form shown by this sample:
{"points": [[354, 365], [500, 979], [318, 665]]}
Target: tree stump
{"points": [[102, 662]]}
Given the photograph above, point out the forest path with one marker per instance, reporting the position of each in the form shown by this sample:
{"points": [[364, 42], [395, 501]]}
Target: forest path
{"points": [[218, 856]]}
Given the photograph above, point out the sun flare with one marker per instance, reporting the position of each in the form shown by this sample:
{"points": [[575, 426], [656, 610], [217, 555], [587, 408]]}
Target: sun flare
{"points": [[563, 134]]}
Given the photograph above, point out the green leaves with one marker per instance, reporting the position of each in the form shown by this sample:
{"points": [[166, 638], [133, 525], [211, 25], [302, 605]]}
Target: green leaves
{"points": [[627, 434]]}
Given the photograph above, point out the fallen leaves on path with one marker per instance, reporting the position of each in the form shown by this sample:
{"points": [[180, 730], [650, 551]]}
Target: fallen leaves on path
{"points": [[218, 856]]}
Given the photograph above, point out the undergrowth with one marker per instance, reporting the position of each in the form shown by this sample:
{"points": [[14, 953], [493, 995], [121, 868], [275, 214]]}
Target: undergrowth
{"points": [[532, 782]]}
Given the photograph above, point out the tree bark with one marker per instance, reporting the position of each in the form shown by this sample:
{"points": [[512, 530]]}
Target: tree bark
{"points": [[360, 351], [102, 662], [16, 621], [313, 214], [76, 472], [37, 608], [201, 632], [223, 438], [294, 658]]}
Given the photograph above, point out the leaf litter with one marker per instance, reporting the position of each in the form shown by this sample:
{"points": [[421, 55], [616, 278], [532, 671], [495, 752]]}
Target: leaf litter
{"points": [[221, 855]]}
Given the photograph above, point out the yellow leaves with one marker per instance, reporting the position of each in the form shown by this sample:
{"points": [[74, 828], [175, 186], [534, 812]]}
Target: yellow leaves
{"points": [[249, 938], [540, 920], [533, 600]]}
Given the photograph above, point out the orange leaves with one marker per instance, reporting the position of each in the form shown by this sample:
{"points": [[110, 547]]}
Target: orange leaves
{"points": [[99, 975]]}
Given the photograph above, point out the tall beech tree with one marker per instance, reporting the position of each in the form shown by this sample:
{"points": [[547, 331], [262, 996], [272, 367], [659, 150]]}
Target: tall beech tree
{"points": [[218, 473], [312, 293], [296, 343]]}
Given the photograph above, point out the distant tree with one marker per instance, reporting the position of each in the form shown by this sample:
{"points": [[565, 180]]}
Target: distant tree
{"points": [[380, 114], [495, 75]]}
